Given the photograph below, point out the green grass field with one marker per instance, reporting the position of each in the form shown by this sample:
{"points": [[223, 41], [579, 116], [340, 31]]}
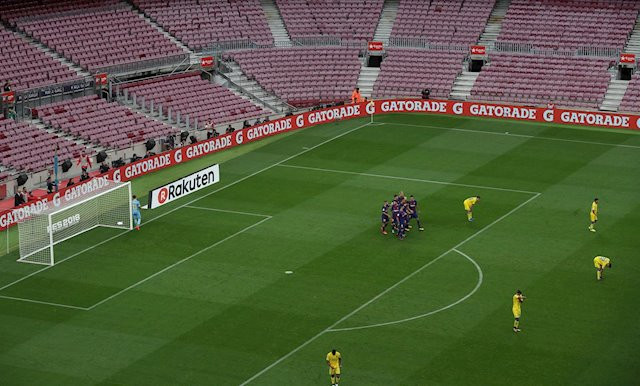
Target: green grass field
{"points": [[200, 296]]}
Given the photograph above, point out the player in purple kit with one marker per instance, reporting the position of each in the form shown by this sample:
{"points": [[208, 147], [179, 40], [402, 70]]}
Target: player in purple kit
{"points": [[395, 208], [385, 217], [413, 212], [402, 222]]}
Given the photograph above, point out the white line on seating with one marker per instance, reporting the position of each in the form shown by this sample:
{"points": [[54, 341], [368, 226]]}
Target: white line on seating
{"points": [[514, 135], [409, 276], [407, 179]]}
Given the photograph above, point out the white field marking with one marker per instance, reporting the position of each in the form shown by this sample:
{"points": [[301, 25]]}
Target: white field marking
{"points": [[467, 296], [61, 260], [406, 179], [177, 263], [507, 134], [189, 203], [350, 314], [228, 211], [43, 302]]}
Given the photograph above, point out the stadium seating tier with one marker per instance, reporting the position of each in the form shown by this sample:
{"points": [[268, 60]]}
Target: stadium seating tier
{"points": [[199, 99], [105, 123], [303, 76], [28, 148]]}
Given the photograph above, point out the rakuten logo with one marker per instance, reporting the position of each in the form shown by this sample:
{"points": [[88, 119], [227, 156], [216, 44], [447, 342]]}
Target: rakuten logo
{"points": [[184, 186]]}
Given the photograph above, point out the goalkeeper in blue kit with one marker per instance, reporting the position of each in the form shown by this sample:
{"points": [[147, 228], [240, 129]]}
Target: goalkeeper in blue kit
{"points": [[135, 211]]}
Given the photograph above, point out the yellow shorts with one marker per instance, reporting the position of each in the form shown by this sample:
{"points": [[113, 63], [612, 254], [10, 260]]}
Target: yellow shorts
{"points": [[467, 207], [516, 313], [334, 371], [593, 218]]}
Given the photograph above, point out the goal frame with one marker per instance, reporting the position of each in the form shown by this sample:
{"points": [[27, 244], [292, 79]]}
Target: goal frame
{"points": [[52, 242]]}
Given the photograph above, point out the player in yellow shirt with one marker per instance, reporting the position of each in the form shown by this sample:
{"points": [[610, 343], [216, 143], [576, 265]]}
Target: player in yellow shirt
{"points": [[334, 361], [468, 206], [518, 298], [593, 215], [601, 263]]}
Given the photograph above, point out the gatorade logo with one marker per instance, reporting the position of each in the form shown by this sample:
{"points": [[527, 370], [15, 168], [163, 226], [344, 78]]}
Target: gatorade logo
{"points": [[163, 195]]}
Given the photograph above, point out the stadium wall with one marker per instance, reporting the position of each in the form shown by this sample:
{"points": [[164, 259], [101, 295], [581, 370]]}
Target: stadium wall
{"points": [[199, 149]]}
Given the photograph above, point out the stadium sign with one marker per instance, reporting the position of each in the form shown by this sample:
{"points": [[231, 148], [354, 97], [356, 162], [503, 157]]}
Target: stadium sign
{"points": [[100, 79], [627, 58], [206, 61], [64, 223], [184, 186], [8, 97], [203, 148], [478, 51], [375, 46]]}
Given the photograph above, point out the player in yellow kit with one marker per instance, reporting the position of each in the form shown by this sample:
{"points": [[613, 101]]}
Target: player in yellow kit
{"points": [[593, 215], [334, 361], [518, 298], [601, 263], [468, 206]]}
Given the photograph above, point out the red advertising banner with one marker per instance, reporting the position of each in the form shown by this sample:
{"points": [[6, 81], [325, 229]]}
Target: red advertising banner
{"points": [[8, 97], [375, 46], [100, 79], [627, 58], [173, 157], [206, 61], [478, 50]]}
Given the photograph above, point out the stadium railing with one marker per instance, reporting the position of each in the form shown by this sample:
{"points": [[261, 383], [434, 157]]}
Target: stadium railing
{"points": [[34, 97], [516, 47], [145, 65]]}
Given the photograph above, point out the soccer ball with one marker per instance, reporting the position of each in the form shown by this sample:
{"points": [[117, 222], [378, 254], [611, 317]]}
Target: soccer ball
{"points": [[120, 223]]}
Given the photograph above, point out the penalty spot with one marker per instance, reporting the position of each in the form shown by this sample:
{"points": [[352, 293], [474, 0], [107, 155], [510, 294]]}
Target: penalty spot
{"points": [[288, 272]]}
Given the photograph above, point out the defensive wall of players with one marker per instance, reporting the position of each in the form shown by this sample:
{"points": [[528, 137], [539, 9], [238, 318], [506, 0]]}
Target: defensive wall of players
{"points": [[173, 157]]}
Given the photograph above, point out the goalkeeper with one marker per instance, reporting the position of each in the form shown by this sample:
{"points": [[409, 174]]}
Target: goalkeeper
{"points": [[135, 211]]}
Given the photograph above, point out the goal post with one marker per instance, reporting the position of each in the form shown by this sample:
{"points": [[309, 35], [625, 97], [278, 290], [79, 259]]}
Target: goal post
{"points": [[109, 206]]}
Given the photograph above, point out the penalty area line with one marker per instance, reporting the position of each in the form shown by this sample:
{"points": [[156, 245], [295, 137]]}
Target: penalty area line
{"points": [[167, 268], [407, 179], [409, 276]]}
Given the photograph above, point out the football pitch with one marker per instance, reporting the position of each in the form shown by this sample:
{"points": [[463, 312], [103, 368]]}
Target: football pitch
{"points": [[254, 280]]}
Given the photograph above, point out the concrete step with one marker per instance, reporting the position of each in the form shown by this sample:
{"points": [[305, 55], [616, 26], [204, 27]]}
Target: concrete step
{"points": [[158, 27], [386, 21], [275, 22]]}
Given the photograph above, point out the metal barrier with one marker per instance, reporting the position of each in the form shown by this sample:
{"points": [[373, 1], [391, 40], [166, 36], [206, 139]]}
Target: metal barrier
{"points": [[528, 48], [35, 97], [145, 64], [506, 47]]}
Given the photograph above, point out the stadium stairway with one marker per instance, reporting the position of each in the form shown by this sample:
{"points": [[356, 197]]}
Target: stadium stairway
{"points": [[615, 93], [276, 24], [36, 43], [387, 18], [494, 25], [463, 84], [366, 80], [633, 43], [267, 100], [135, 9], [42, 126]]}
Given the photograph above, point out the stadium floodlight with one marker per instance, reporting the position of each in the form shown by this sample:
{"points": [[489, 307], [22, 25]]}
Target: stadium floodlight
{"points": [[106, 206]]}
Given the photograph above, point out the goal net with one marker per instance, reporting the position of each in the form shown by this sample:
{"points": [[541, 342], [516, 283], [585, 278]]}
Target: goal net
{"points": [[109, 206]]}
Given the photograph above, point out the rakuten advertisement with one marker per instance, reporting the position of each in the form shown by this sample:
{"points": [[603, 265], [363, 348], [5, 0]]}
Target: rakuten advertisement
{"points": [[184, 186], [200, 149]]}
